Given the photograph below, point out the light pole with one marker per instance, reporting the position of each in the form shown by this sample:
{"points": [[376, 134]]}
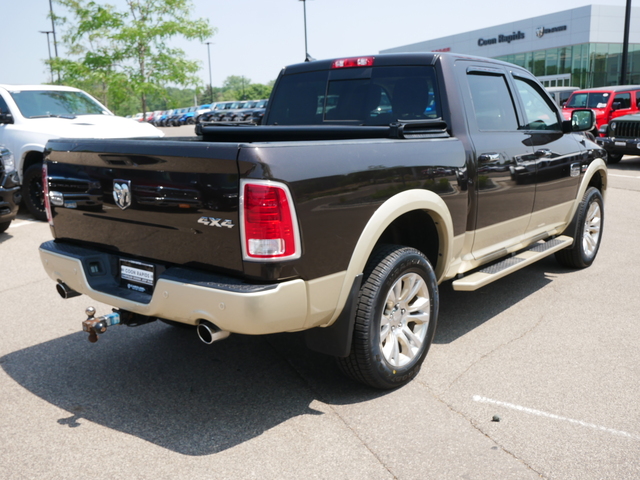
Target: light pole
{"points": [[49, 48], [210, 86], [55, 41], [625, 44]]}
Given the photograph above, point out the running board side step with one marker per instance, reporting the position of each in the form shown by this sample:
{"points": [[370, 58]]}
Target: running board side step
{"points": [[521, 259]]}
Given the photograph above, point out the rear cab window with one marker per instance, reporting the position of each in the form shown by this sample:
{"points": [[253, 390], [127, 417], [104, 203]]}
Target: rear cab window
{"points": [[366, 96]]}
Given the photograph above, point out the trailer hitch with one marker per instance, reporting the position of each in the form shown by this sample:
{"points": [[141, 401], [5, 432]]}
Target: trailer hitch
{"points": [[94, 326]]}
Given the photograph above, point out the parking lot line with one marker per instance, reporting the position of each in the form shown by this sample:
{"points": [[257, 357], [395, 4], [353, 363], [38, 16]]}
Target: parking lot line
{"points": [[540, 413], [22, 224], [623, 176]]}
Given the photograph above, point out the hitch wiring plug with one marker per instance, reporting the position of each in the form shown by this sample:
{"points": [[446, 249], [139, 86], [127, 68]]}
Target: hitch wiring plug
{"points": [[96, 326]]}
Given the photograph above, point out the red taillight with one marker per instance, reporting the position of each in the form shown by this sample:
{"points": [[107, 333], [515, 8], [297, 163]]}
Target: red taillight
{"points": [[269, 228], [353, 62], [45, 193]]}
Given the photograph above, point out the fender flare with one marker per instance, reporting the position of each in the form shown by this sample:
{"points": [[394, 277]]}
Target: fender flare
{"points": [[597, 167], [24, 152], [390, 210]]}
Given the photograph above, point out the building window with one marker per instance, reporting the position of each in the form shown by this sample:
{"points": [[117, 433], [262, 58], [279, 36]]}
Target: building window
{"points": [[551, 61]]}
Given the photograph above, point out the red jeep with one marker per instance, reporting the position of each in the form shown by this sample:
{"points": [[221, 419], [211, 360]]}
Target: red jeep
{"points": [[606, 102]]}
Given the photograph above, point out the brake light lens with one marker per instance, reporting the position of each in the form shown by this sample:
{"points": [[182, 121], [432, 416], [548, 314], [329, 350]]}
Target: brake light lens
{"points": [[269, 227], [45, 193], [353, 62]]}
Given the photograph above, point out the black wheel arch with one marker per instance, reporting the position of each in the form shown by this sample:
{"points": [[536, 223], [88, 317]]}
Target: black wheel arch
{"points": [[416, 229]]}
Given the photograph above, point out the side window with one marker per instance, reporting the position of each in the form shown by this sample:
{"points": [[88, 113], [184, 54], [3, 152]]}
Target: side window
{"points": [[492, 102], [538, 110], [622, 101], [3, 106]]}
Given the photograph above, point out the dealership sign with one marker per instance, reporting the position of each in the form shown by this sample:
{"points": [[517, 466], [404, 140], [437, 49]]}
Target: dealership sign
{"points": [[541, 31], [501, 39]]}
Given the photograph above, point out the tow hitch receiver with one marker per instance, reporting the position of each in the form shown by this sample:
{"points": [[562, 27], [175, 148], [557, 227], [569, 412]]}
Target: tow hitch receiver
{"points": [[93, 326]]}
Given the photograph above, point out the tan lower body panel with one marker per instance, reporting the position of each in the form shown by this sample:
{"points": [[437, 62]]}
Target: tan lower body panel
{"points": [[286, 307]]}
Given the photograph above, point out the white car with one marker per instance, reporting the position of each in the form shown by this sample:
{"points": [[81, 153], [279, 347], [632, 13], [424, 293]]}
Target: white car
{"points": [[30, 115]]}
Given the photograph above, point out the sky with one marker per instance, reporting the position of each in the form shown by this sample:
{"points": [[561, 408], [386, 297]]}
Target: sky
{"points": [[256, 38]]}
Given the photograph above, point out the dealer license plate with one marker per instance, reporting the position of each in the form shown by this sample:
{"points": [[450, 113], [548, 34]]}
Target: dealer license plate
{"points": [[137, 276], [621, 144]]}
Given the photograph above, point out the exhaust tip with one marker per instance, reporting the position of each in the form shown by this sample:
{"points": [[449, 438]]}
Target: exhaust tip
{"points": [[65, 292], [209, 333]]}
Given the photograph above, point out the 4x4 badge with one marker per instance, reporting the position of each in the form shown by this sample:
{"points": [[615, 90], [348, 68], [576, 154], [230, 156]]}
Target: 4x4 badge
{"points": [[122, 193], [216, 222]]}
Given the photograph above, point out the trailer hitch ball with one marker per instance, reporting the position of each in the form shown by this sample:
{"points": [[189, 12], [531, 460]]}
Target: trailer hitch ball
{"points": [[93, 326], [93, 335]]}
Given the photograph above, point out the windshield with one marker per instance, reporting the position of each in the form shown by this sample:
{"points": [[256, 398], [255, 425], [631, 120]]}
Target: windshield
{"points": [[386, 95], [588, 100], [43, 103]]}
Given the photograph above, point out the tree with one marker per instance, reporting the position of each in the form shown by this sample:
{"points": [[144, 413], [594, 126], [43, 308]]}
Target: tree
{"points": [[240, 88], [127, 52]]}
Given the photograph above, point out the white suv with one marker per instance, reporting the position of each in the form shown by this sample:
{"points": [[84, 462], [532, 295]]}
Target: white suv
{"points": [[30, 115]]}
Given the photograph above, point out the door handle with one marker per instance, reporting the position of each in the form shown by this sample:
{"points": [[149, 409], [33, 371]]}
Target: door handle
{"points": [[488, 157]]}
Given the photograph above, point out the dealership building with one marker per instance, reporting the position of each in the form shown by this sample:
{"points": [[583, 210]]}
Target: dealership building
{"points": [[580, 47]]}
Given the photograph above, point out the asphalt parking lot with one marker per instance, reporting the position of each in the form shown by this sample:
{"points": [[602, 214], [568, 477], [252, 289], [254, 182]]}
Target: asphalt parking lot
{"points": [[534, 376]]}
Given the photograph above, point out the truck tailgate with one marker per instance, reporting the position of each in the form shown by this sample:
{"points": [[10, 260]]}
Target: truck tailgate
{"points": [[165, 201]]}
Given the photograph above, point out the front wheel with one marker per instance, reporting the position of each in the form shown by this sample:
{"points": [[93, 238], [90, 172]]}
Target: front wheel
{"points": [[590, 220], [395, 319], [614, 157]]}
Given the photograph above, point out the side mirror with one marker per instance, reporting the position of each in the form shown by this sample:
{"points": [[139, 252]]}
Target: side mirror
{"points": [[616, 106], [6, 118], [581, 121]]}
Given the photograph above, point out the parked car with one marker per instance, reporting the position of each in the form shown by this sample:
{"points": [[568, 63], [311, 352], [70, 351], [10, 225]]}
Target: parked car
{"points": [[561, 94], [246, 114], [202, 109], [162, 122], [189, 117], [607, 103], [174, 119], [623, 137], [218, 112], [157, 116], [33, 114], [9, 189], [257, 114], [239, 113]]}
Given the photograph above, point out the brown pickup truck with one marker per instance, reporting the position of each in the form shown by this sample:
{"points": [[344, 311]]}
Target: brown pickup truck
{"points": [[371, 181]]}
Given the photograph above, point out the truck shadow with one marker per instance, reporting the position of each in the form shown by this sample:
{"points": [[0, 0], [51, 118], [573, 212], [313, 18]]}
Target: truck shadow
{"points": [[161, 384], [5, 236], [462, 312]]}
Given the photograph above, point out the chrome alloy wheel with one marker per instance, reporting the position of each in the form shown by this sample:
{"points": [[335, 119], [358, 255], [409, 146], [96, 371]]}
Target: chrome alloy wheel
{"points": [[591, 233], [405, 320]]}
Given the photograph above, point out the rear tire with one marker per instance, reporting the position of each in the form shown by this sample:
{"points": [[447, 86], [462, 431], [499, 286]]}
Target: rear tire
{"points": [[32, 191], [590, 222], [396, 318], [4, 226]]}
